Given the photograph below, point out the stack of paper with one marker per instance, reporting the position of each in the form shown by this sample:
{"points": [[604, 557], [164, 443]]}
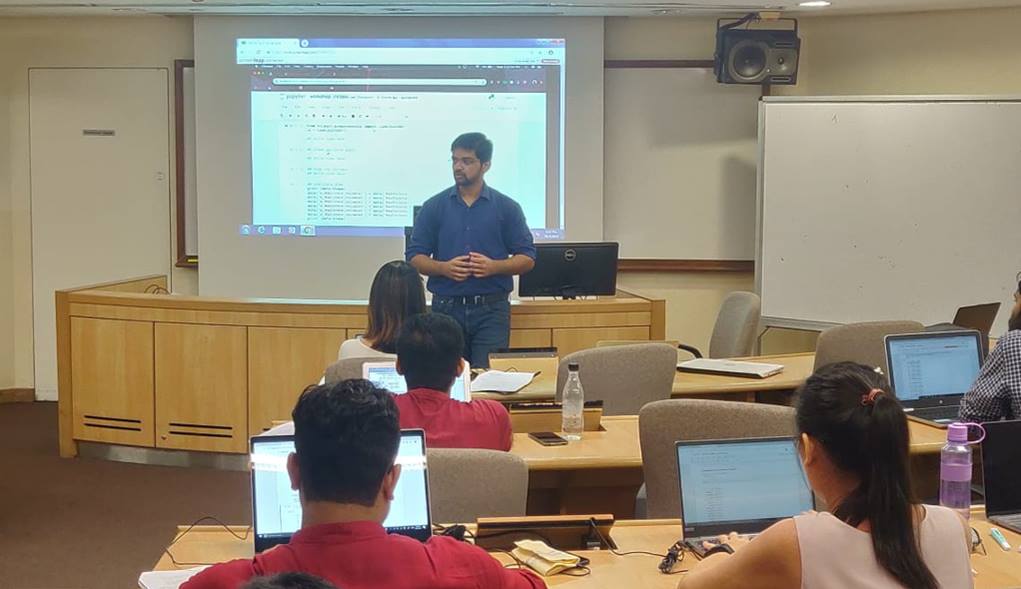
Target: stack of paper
{"points": [[167, 579], [498, 381]]}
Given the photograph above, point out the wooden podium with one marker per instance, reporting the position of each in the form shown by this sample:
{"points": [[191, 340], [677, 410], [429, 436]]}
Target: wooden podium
{"points": [[151, 370]]}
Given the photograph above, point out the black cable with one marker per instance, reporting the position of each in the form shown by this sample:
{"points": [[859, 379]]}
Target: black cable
{"points": [[675, 552], [180, 535], [744, 20]]}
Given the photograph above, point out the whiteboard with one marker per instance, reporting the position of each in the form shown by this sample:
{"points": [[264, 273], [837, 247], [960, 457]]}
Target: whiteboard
{"points": [[680, 165], [887, 208]]}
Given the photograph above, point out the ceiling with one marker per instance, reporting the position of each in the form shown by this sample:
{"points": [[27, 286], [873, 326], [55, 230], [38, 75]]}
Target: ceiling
{"points": [[473, 7]]}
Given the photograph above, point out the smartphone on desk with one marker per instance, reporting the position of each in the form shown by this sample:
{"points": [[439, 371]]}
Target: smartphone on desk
{"points": [[548, 438]]}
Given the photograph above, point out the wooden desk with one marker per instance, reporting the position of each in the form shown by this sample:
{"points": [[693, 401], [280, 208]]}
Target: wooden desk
{"points": [[203, 374], [602, 472], [797, 368], [212, 544]]}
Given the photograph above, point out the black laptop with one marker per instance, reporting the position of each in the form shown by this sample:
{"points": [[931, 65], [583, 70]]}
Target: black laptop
{"points": [[930, 372], [1001, 470], [277, 511]]}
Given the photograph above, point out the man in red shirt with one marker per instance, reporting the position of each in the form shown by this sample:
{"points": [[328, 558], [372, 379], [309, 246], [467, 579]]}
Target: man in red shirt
{"points": [[346, 438], [429, 356]]}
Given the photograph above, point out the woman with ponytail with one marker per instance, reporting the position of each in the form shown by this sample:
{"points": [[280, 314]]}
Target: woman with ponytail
{"points": [[853, 442]]}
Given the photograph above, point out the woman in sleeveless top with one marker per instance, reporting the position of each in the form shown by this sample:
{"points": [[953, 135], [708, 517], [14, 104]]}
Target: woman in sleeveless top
{"points": [[396, 294], [853, 442]]}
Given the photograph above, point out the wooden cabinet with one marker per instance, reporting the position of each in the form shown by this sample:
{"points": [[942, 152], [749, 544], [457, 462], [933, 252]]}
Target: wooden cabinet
{"points": [[201, 387], [203, 374], [272, 391], [112, 381]]}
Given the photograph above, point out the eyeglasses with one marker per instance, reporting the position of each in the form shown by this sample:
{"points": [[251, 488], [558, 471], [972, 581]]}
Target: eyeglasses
{"points": [[464, 161]]}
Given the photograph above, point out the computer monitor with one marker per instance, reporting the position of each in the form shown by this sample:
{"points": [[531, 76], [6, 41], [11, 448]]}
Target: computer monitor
{"points": [[926, 366], [740, 485], [572, 270], [277, 510], [385, 375]]}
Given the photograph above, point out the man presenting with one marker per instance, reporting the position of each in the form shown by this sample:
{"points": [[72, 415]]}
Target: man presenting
{"points": [[469, 240]]}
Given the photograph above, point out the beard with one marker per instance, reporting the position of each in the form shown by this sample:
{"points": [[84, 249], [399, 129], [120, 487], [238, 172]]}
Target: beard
{"points": [[465, 179], [1015, 319]]}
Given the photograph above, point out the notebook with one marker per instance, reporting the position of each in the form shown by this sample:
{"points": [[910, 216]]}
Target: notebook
{"points": [[1001, 471], [384, 375], [742, 485], [930, 372], [730, 367], [277, 510]]}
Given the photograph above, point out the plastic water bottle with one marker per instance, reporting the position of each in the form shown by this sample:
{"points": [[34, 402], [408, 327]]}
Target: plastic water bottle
{"points": [[573, 404], [955, 471]]}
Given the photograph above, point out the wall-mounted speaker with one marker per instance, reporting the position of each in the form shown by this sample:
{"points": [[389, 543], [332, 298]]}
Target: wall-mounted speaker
{"points": [[757, 56]]}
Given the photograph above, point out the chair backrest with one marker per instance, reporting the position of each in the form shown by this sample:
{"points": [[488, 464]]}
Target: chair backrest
{"points": [[465, 485], [737, 326], [663, 423], [624, 378], [860, 342], [347, 368]]}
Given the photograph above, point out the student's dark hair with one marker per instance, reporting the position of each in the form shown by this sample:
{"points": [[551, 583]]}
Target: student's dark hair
{"points": [[289, 581], [345, 436], [396, 294], [867, 435], [476, 142], [429, 350]]}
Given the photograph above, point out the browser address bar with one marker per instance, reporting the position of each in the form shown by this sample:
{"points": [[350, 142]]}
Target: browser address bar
{"points": [[379, 81]]}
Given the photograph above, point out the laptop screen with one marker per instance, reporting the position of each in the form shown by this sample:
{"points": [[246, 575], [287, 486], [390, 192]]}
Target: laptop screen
{"points": [[740, 485], [384, 375], [933, 364], [1001, 467], [277, 510]]}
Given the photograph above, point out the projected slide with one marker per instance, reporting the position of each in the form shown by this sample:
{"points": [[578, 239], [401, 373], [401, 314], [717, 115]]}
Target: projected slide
{"points": [[349, 135]]}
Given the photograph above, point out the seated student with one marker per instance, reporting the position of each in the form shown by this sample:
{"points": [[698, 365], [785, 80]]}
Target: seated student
{"points": [[996, 393], [429, 356], [288, 581], [346, 437], [396, 294], [854, 446]]}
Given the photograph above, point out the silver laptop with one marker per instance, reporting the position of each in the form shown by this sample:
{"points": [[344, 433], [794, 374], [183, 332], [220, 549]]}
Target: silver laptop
{"points": [[1001, 471], [930, 372], [743, 485], [384, 375], [277, 510]]}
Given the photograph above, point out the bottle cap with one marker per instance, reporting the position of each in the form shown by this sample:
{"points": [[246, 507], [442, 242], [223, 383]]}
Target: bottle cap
{"points": [[957, 432], [573, 367]]}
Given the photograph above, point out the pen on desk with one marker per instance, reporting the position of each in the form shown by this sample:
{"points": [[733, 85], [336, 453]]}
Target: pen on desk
{"points": [[998, 536]]}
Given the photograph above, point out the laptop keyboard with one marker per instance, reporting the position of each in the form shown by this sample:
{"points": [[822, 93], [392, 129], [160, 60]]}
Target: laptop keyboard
{"points": [[945, 413]]}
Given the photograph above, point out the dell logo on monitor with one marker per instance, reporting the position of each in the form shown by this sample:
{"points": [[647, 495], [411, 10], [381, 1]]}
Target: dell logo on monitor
{"points": [[570, 255]]}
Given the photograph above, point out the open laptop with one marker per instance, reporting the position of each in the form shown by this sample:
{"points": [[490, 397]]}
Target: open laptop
{"points": [[384, 374], [743, 486], [977, 317], [930, 372], [277, 511], [1001, 471]]}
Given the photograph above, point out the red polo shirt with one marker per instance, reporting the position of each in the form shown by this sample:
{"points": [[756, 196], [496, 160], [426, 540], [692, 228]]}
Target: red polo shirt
{"points": [[361, 555], [449, 423]]}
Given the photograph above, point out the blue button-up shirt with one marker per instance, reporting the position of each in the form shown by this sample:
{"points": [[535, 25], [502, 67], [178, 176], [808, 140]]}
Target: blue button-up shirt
{"points": [[447, 228]]}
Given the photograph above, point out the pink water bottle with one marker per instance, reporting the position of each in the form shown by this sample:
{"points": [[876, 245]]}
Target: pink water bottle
{"points": [[955, 468]]}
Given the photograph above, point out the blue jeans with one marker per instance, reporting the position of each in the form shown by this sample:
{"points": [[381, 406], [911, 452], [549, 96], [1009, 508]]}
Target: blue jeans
{"points": [[486, 327]]}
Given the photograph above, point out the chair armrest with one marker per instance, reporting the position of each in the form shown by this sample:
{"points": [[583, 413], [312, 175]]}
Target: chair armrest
{"points": [[690, 349]]}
